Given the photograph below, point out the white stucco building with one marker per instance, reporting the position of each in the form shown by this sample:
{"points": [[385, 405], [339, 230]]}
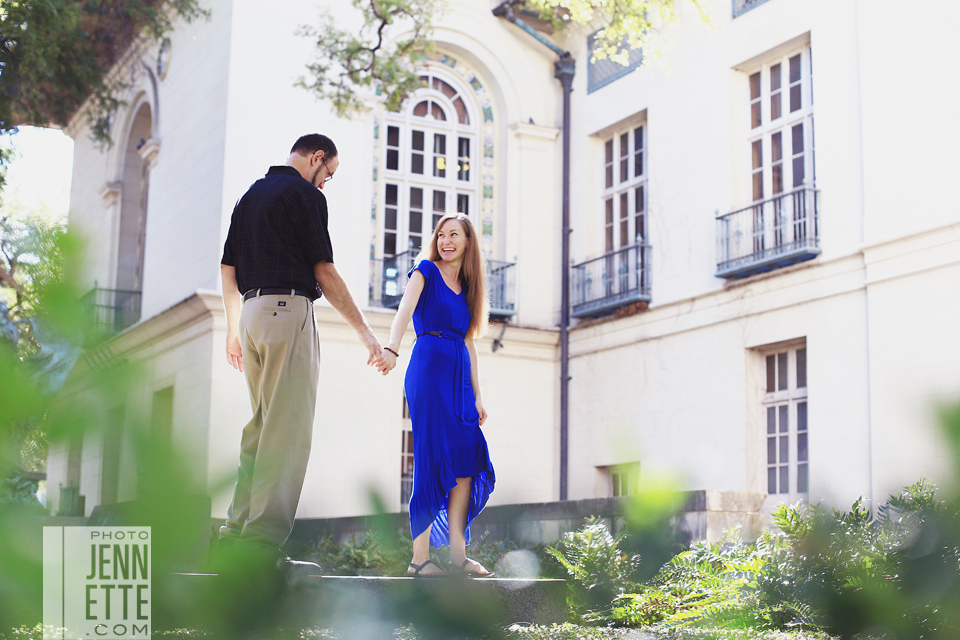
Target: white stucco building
{"points": [[766, 250]]}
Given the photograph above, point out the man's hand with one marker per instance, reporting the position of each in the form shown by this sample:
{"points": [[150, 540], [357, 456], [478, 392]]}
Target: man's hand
{"points": [[232, 303], [370, 341], [234, 352]]}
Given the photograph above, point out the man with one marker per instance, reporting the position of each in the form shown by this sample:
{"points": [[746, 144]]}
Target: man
{"points": [[277, 260]]}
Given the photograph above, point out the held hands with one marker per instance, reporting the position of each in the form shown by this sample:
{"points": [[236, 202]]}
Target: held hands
{"points": [[373, 346], [234, 352], [386, 362]]}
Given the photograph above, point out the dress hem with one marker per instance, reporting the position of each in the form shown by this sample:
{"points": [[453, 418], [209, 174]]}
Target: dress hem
{"points": [[432, 499]]}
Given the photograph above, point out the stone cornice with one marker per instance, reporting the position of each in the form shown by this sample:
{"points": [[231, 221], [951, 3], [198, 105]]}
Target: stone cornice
{"points": [[529, 130], [180, 323]]}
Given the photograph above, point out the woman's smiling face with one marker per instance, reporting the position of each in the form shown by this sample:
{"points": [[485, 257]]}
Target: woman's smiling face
{"points": [[451, 241]]}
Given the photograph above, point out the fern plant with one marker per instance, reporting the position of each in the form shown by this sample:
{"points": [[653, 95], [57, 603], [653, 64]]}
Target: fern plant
{"points": [[598, 569]]}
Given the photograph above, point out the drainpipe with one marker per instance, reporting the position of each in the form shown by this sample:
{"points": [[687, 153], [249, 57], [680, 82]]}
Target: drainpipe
{"points": [[563, 70]]}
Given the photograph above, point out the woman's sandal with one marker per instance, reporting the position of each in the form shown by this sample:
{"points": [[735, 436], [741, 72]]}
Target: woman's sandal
{"points": [[417, 568], [472, 574]]}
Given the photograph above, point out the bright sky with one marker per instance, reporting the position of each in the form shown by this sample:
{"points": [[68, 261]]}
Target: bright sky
{"points": [[38, 176]]}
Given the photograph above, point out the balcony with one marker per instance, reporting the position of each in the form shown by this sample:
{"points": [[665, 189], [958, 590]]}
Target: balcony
{"points": [[112, 310], [603, 284], [502, 282], [768, 235], [390, 280]]}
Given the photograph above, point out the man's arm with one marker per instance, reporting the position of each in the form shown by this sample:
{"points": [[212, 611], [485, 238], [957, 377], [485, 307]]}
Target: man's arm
{"points": [[232, 302], [335, 289]]}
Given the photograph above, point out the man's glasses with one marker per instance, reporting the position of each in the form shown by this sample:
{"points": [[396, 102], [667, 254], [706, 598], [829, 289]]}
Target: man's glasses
{"points": [[330, 176]]}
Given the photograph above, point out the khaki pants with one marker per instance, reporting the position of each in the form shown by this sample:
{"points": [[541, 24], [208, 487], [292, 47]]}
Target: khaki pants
{"points": [[281, 360]]}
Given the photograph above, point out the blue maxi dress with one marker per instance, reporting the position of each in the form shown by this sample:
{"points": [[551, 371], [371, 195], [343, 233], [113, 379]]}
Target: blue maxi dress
{"points": [[447, 441]]}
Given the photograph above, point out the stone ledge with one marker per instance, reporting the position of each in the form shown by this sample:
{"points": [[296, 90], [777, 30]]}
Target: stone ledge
{"points": [[345, 602]]}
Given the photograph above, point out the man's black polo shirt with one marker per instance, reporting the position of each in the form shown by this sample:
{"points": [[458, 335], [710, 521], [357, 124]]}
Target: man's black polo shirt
{"points": [[278, 232]]}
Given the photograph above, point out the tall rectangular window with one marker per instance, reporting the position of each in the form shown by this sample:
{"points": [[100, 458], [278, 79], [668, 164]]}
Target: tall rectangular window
{"points": [[785, 422], [393, 148], [780, 118], [463, 159], [415, 218], [429, 154], [416, 151], [406, 458], [161, 426], [112, 436], [391, 201], [624, 196]]}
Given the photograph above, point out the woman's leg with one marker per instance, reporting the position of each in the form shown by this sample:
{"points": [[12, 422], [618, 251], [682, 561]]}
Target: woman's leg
{"points": [[457, 519], [421, 553]]}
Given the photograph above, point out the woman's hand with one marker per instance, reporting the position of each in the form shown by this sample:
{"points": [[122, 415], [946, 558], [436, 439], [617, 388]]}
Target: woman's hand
{"points": [[481, 412], [385, 362]]}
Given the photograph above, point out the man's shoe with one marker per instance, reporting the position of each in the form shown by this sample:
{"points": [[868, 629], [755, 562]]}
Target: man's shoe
{"points": [[296, 572]]}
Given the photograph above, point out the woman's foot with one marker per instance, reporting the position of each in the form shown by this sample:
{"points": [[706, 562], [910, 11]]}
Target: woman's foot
{"points": [[471, 569], [429, 568]]}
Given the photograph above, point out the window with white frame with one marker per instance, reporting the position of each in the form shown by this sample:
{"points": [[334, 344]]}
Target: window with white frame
{"points": [[406, 458], [781, 125], [429, 164], [623, 479], [624, 195], [785, 423]]}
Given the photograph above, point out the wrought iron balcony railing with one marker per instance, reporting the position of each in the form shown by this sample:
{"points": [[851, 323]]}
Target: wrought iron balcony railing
{"points": [[389, 279], [768, 235], [603, 284], [112, 310], [502, 282]]}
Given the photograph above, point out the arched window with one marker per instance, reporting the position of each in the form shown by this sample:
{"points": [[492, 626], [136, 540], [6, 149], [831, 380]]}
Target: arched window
{"points": [[431, 143], [133, 205]]}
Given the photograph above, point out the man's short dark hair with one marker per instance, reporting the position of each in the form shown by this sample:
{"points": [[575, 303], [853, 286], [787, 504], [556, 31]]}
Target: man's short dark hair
{"points": [[312, 142]]}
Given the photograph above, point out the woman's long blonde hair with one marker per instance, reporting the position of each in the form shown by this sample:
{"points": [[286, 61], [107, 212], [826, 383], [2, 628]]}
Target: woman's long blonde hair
{"points": [[473, 272]]}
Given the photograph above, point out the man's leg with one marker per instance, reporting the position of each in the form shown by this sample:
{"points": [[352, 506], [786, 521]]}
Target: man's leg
{"points": [[249, 442], [289, 351]]}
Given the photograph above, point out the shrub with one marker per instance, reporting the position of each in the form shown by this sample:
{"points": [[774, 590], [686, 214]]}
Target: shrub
{"points": [[851, 573], [599, 570], [841, 572], [710, 584]]}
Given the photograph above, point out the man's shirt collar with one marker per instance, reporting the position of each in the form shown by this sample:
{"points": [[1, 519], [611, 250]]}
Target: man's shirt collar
{"points": [[283, 170]]}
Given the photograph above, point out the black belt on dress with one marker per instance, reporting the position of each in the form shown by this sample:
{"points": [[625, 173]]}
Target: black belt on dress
{"points": [[274, 291], [458, 398]]}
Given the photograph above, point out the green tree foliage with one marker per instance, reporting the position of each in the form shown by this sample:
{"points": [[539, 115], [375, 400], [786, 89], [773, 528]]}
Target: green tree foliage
{"points": [[381, 57], [54, 54], [31, 264], [30, 261], [622, 24]]}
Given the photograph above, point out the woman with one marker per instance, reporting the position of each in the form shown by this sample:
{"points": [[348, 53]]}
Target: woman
{"points": [[452, 477]]}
